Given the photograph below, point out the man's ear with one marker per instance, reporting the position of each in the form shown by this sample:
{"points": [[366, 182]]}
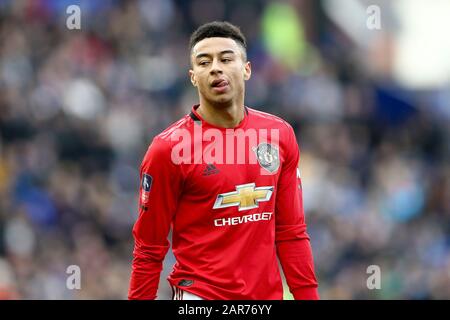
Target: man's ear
{"points": [[247, 70], [192, 76]]}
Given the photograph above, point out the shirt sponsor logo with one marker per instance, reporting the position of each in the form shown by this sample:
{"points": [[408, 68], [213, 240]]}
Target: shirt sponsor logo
{"points": [[245, 197], [265, 216]]}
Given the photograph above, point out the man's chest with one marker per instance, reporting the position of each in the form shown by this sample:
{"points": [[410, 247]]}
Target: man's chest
{"points": [[243, 186]]}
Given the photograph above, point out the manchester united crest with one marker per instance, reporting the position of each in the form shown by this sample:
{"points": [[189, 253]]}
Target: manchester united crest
{"points": [[268, 156]]}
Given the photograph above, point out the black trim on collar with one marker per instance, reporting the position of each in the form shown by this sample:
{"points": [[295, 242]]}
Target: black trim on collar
{"points": [[194, 116]]}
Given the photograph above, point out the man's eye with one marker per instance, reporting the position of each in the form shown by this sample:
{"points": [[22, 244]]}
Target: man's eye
{"points": [[203, 63], [226, 60]]}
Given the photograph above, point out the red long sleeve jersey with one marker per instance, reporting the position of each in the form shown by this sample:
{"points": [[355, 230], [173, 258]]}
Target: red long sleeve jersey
{"points": [[231, 216]]}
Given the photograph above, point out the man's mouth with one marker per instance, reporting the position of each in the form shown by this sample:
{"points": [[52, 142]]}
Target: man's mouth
{"points": [[219, 83], [220, 86]]}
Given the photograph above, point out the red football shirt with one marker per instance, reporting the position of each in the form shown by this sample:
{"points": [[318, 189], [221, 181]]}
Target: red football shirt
{"points": [[234, 203]]}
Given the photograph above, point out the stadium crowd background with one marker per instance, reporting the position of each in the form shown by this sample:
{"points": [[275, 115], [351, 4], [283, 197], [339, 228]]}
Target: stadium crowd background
{"points": [[78, 109]]}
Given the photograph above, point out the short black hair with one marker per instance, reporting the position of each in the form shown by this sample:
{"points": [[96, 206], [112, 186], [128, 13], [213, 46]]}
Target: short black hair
{"points": [[221, 29]]}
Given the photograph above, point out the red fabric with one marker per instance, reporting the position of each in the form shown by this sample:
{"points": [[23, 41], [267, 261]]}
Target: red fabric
{"points": [[217, 261]]}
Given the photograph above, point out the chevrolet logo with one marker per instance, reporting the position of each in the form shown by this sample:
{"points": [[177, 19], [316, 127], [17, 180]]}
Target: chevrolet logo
{"points": [[245, 197]]}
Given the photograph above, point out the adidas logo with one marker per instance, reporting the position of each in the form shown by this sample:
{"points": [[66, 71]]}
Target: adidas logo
{"points": [[210, 169]]}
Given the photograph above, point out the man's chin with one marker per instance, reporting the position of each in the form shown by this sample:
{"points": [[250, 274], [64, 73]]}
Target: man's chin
{"points": [[221, 101]]}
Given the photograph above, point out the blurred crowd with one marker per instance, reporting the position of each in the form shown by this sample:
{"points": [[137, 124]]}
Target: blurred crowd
{"points": [[78, 109]]}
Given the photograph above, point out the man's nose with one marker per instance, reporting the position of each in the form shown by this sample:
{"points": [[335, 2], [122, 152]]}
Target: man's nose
{"points": [[215, 67]]}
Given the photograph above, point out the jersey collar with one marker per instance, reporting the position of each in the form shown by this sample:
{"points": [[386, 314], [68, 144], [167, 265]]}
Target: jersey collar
{"points": [[196, 117]]}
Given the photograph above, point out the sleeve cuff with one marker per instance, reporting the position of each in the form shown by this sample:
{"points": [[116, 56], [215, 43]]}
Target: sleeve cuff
{"points": [[306, 293]]}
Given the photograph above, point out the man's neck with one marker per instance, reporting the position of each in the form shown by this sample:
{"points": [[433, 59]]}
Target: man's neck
{"points": [[222, 116]]}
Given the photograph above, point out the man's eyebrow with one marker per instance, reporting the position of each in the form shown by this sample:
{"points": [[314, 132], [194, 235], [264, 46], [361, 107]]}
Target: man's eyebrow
{"points": [[227, 51], [201, 55]]}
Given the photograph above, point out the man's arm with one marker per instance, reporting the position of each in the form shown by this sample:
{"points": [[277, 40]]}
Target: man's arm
{"points": [[159, 191], [292, 240]]}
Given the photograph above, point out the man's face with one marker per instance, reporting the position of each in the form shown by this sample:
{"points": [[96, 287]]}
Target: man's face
{"points": [[219, 70]]}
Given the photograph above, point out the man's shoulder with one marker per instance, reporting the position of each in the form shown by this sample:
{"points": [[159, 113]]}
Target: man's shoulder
{"points": [[166, 134], [268, 118], [163, 142]]}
